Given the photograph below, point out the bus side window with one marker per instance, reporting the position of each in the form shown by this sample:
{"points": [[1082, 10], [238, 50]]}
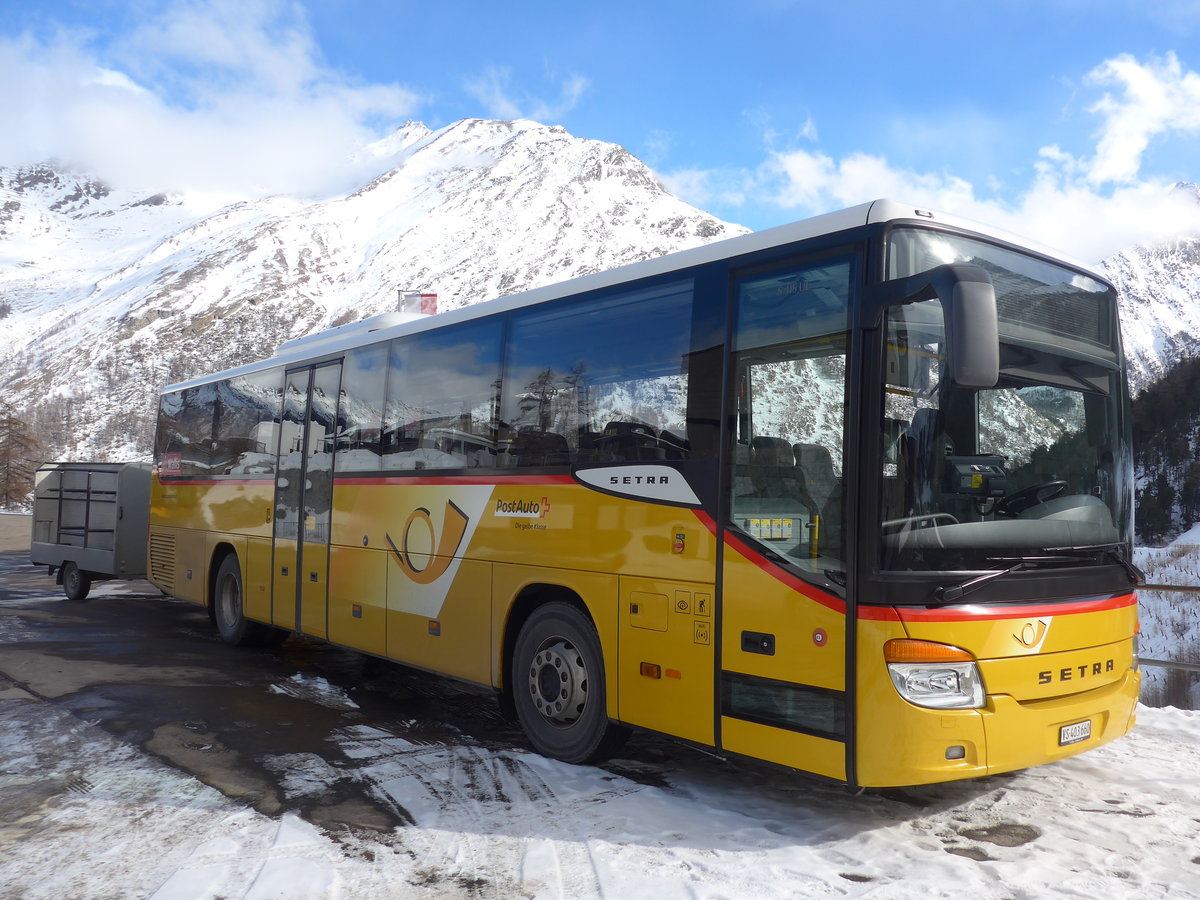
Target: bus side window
{"points": [[599, 379], [188, 419], [440, 411], [244, 437], [360, 409]]}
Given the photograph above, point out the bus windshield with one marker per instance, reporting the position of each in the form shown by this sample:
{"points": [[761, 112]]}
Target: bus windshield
{"points": [[1032, 471]]}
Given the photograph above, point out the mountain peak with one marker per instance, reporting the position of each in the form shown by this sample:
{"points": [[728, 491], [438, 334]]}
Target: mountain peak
{"points": [[397, 142], [1188, 189], [157, 293]]}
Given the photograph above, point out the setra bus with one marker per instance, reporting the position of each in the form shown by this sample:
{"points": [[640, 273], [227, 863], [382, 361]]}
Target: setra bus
{"points": [[851, 496]]}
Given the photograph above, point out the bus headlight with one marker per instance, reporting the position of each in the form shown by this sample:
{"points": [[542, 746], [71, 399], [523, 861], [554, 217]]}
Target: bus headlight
{"points": [[936, 676]]}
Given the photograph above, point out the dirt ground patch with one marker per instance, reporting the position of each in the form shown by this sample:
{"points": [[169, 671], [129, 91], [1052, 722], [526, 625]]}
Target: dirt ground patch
{"points": [[14, 533]]}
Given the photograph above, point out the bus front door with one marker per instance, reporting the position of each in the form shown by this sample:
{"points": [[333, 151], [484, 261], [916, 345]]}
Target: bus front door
{"points": [[303, 499], [783, 665]]}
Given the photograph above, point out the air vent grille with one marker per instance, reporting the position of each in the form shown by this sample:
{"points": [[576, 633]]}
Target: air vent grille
{"points": [[162, 560]]}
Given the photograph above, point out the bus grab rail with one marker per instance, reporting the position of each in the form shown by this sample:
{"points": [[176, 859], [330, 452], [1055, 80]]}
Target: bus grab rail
{"points": [[1169, 664]]}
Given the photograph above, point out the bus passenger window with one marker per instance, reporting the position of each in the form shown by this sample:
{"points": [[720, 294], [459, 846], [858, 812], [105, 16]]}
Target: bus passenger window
{"points": [[244, 437], [440, 411], [599, 379], [185, 432], [360, 409]]}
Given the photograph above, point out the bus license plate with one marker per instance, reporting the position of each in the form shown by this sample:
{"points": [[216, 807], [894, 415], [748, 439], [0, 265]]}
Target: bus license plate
{"points": [[1073, 734]]}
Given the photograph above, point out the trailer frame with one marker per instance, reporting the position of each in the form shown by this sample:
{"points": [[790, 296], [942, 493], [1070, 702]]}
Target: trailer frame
{"points": [[90, 522]]}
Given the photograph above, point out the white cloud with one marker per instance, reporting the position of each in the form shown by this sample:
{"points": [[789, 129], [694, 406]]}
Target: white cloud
{"points": [[710, 187], [493, 89], [1059, 208], [1155, 98], [1089, 206], [655, 147], [761, 120], [219, 96], [110, 78]]}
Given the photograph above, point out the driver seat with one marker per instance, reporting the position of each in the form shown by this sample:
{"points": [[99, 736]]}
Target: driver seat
{"points": [[923, 449]]}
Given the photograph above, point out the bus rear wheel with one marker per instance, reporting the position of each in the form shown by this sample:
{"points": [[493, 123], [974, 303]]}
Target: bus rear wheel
{"points": [[558, 686], [76, 582], [231, 622]]}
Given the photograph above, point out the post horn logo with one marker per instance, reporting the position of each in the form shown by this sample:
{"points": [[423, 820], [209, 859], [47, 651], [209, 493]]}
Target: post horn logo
{"points": [[1032, 633], [427, 566]]}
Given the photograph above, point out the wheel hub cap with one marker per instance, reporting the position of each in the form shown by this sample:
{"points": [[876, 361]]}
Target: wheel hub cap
{"points": [[558, 682]]}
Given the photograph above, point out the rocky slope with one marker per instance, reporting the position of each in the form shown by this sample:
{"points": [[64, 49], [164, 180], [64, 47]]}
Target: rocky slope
{"points": [[108, 294]]}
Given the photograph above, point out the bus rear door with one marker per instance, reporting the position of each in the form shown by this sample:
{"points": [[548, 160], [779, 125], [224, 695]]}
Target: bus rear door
{"points": [[303, 499]]}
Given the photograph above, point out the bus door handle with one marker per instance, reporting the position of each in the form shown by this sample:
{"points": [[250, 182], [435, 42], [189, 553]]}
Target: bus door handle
{"points": [[758, 642]]}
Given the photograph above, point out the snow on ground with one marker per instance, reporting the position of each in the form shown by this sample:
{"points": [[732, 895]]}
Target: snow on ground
{"points": [[1189, 538], [83, 815]]}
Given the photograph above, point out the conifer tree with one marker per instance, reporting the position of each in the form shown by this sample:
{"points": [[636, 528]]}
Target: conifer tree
{"points": [[20, 455]]}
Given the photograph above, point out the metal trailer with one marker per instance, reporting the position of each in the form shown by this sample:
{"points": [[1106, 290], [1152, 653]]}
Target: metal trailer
{"points": [[90, 522]]}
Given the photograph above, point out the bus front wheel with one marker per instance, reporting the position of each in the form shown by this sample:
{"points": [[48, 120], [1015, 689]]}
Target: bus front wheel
{"points": [[558, 686]]}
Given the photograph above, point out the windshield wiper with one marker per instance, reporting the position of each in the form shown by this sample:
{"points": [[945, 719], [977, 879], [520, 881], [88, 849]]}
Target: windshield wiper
{"points": [[1112, 551], [953, 592], [950, 593]]}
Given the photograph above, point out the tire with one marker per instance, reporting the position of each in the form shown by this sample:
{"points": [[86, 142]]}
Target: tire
{"points": [[558, 687], [76, 582], [233, 626]]}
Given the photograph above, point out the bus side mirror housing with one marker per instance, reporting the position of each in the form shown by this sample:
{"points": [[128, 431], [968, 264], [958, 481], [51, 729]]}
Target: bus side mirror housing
{"points": [[972, 327], [968, 302]]}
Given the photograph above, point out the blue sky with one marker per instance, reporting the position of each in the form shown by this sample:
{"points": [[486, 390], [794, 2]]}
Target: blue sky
{"points": [[1068, 120]]}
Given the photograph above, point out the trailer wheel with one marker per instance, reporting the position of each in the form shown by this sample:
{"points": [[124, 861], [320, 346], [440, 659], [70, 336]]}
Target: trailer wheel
{"points": [[76, 582], [558, 686]]}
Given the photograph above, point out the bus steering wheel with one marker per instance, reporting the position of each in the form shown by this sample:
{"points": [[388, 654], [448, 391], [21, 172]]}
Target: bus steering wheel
{"points": [[1016, 503]]}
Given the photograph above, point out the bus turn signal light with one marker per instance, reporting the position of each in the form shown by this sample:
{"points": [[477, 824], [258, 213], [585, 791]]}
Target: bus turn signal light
{"points": [[906, 650]]}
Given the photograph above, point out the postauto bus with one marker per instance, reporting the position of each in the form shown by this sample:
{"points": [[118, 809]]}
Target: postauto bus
{"points": [[851, 496]]}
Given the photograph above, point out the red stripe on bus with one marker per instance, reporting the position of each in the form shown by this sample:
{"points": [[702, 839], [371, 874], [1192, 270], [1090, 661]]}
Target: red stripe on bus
{"points": [[707, 521], [195, 482], [344, 481], [878, 613], [974, 613], [785, 577]]}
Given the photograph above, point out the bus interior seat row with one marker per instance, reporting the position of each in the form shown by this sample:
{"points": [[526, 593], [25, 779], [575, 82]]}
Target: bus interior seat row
{"points": [[619, 441], [774, 476]]}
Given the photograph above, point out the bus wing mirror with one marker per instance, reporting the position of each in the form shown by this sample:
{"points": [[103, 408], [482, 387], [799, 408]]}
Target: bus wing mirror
{"points": [[968, 302], [972, 329]]}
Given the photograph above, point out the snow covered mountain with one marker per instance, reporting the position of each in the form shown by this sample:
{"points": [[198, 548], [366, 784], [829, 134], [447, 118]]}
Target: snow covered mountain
{"points": [[1159, 287], [108, 294]]}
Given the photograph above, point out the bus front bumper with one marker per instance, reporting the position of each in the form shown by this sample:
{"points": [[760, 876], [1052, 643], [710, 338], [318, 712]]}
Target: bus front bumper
{"points": [[1003, 736]]}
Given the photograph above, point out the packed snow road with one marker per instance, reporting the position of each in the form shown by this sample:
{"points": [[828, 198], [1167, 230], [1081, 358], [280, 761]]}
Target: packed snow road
{"points": [[140, 757]]}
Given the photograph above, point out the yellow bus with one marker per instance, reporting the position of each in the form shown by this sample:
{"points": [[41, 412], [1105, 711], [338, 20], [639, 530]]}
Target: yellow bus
{"points": [[850, 496]]}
